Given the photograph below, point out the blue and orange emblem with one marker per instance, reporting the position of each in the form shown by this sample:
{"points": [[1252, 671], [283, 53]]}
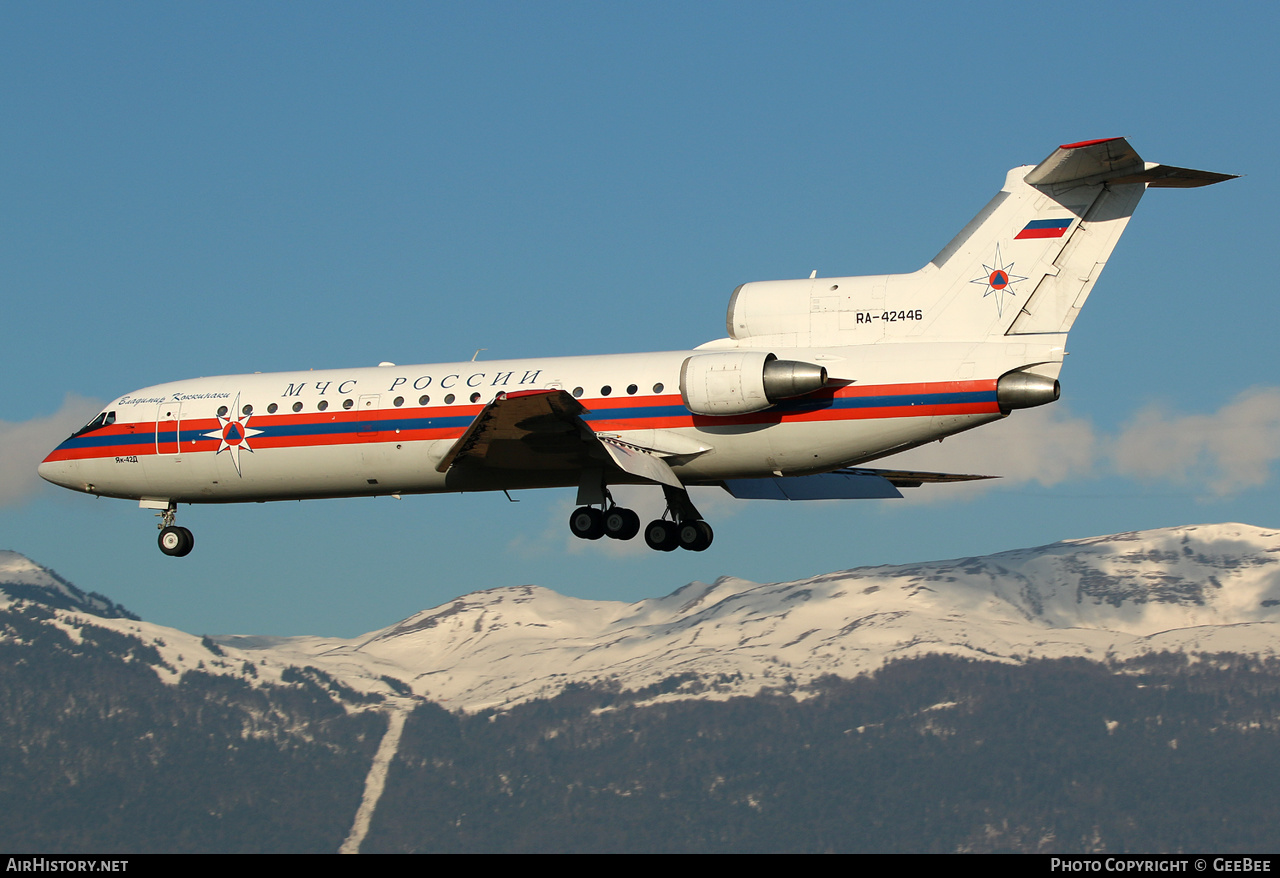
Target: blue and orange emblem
{"points": [[233, 434]]}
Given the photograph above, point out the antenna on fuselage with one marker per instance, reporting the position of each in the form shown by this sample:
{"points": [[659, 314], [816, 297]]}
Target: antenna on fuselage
{"points": [[477, 353]]}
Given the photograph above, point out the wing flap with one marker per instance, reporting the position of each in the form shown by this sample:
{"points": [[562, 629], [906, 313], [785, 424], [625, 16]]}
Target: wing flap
{"points": [[844, 484], [639, 462], [912, 479], [827, 486]]}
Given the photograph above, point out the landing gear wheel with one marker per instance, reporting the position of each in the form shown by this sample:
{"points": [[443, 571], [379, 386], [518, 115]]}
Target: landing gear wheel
{"points": [[621, 524], [662, 535], [696, 536], [587, 523], [176, 541]]}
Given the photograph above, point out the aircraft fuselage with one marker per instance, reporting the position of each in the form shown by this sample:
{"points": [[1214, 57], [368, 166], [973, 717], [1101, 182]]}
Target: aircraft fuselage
{"points": [[384, 430]]}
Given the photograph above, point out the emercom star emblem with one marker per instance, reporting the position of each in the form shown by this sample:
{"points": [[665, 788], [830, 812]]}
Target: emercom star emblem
{"points": [[233, 434], [999, 280]]}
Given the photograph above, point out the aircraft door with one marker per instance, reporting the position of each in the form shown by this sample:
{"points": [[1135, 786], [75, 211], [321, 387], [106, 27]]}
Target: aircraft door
{"points": [[169, 428]]}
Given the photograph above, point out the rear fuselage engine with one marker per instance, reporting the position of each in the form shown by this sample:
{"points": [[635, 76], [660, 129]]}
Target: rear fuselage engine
{"points": [[741, 382]]}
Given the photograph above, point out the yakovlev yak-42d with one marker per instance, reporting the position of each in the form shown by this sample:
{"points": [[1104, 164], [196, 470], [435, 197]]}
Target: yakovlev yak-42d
{"points": [[817, 377]]}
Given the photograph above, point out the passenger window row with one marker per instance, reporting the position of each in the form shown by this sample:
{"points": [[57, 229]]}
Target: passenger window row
{"points": [[632, 390], [348, 403]]}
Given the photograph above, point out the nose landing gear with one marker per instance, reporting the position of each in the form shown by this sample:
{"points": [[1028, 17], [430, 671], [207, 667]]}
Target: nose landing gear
{"points": [[174, 540]]}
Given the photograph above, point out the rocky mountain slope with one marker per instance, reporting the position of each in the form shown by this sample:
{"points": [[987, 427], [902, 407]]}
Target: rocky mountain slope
{"points": [[1112, 672]]}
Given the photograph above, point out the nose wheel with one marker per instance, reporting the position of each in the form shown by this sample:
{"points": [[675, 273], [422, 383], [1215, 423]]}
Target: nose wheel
{"points": [[174, 541]]}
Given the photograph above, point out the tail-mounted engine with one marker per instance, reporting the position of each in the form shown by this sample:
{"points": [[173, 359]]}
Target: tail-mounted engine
{"points": [[1024, 390], [741, 382]]}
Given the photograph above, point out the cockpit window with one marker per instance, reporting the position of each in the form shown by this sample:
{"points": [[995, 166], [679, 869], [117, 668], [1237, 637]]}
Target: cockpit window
{"points": [[106, 419]]}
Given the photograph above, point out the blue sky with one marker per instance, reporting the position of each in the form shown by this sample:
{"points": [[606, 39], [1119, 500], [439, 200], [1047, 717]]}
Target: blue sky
{"points": [[194, 189]]}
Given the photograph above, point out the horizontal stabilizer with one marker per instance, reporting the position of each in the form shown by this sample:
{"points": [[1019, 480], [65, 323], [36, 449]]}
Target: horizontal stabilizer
{"points": [[1169, 177], [1088, 160], [1113, 160]]}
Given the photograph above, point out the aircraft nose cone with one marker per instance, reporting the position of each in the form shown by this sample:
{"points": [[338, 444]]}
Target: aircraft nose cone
{"points": [[64, 473]]}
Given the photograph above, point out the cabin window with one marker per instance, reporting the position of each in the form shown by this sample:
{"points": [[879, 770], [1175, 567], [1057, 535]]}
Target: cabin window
{"points": [[323, 404], [247, 410], [631, 390], [475, 397], [271, 409], [423, 400], [348, 403], [448, 400], [657, 388], [399, 401], [297, 406], [222, 411], [606, 390], [577, 392]]}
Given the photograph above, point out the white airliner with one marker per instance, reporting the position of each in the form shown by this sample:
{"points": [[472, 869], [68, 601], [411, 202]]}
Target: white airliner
{"points": [[817, 377]]}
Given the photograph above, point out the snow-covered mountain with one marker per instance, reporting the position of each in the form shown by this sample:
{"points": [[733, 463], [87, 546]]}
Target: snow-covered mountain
{"points": [[1197, 589], [1203, 589], [24, 579]]}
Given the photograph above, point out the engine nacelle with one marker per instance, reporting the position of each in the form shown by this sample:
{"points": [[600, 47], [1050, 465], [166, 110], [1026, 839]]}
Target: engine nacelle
{"points": [[741, 382], [1023, 390], [784, 379]]}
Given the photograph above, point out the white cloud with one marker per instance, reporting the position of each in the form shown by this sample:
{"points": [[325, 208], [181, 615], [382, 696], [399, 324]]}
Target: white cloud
{"points": [[1045, 445], [26, 443], [1228, 451], [1221, 453]]}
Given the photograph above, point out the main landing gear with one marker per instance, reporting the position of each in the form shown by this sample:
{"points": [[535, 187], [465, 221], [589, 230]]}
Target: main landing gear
{"points": [[666, 536], [685, 528], [174, 540], [589, 523]]}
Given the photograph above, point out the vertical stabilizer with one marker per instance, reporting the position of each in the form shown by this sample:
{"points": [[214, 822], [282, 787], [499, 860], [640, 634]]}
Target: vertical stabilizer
{"points": [[1026, 265], [1022, 267]]}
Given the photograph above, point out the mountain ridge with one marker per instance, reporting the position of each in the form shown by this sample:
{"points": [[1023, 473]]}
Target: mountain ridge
{"points": [[23, 579], [1191, 589]]}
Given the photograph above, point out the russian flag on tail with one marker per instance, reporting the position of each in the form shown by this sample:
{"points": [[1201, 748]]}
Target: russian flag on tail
{"points": [[1045, 228]]}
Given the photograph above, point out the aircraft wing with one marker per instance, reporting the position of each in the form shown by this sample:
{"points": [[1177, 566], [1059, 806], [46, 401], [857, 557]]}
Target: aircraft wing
{"points": [[543, 429], [516, 429], [842, 484]]}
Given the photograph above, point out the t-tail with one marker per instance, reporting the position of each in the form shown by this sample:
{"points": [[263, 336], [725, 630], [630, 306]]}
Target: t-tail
{"points": [[1023, 266]]}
